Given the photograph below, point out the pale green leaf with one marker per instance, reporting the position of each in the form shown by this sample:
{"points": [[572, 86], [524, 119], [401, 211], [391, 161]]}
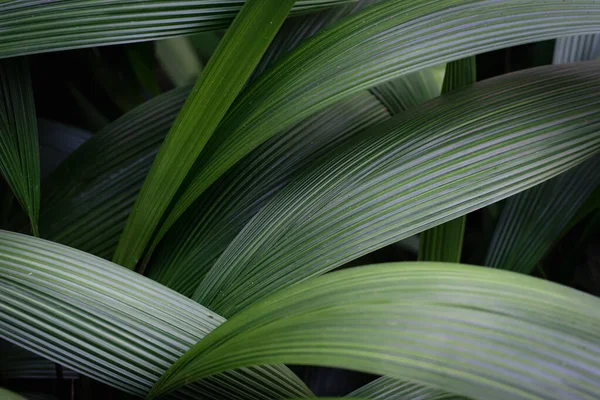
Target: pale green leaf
{"points": [[576, 48], [386, 388], [483, 333], [36, 26], [178, 59], [455, 154], [225, 75], [19, 148], [111, 324]]}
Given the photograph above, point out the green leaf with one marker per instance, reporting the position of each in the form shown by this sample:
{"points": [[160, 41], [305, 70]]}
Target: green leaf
{"points": [[532, 221], [38, 26], [382, 42], [386, 388], [19, 152], [576, 48], [190, 249], [453, 155], [142, 60], [228, 69], [111, 324], [8, 395], [478, 332], [444, 242], [86, 201]]}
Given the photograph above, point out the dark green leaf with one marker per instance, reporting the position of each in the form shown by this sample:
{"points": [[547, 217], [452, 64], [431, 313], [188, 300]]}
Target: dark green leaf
{"points": [[454, 154], [19, 152], [207, 228], [479, 332], [226, 73]]}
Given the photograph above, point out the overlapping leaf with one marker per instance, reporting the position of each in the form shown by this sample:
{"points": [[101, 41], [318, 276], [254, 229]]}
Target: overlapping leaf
{"points": [[479, 332], [227, 71], [383, 41], [453, 155], [19, 152], [444, 242], [532, 221], [194, 244], [112, 324], [36, 26], [386, 388]]}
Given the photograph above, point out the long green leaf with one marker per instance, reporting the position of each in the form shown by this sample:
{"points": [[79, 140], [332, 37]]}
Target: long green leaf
{"points": [[8, 395], [228, 69], [444, 242], [36, 26], [19, 152], [384, 41], [478, 332], [112, 324], [455, 154], [532, 221], [386, 388], [190, 249], [86, 201]]}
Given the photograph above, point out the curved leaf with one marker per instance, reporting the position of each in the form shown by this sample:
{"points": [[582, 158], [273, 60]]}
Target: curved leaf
{"points": [[19, 152], [36, 26], [384, 41], [576, 48], [8, 395], [190, 249], [479, 332], [444, 242], [226, 73], [455, 154], [112, 324], [386, 388], [535, 219]]}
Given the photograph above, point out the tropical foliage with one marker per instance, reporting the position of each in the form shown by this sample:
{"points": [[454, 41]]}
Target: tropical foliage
{"points": [[215, 199]]}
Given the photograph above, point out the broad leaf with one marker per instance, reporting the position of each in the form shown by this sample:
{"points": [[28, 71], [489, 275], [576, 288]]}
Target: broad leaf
{"points": [[384, 41], [479, 332], [226, 73], [196, 241], [454, 154], [19, 152], [386, 388], [37, 26], [444, 242], [532, 221], [112, 324]]}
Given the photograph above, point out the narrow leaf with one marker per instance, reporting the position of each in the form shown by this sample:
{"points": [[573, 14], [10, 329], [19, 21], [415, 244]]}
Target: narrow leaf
{"points": [[19, 152], [112, 324], [178, 59], [228, 69], [444, 242], [461, 328], [382, 42], [454, 154], [37, 26], [576, 48]]}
